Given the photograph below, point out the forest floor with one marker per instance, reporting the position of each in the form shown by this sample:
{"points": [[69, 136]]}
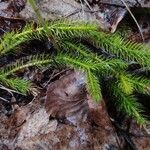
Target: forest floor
{"points": [[76, 122]]}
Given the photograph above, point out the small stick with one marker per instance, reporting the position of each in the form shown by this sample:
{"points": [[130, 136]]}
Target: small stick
{"points": [[10, 90], [4, 100], [87, 3], [141, 33], [55, 75], [12, 18]]}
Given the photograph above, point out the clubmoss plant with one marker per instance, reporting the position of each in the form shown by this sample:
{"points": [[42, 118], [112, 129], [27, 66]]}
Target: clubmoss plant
{"points": [[66, 37]]}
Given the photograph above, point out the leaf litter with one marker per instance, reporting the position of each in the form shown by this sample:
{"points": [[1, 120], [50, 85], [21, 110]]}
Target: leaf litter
{"points": [[62, 114]]}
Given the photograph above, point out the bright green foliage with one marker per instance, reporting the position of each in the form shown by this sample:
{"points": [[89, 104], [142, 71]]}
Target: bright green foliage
{"points": [[37, 60], [93, 86], [140, 84], [17, 84], [125, 50], [66, 38], [86, 65], [55, 31], [125, 84], [127, 103]]}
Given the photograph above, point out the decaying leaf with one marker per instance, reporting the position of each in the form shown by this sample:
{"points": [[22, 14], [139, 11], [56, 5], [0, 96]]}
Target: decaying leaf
{"points": [[67, 97], [68, 119], [68, 100]]}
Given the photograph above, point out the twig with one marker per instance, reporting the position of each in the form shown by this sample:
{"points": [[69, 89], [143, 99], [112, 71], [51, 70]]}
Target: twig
{"points": [[87, 3], [4, 100], [73, 13], [10, 90], [2, 30], [138, 3], [111, 4], [79, 10], [12, 18], [6, 89], [55, 75], [139, 28]]}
